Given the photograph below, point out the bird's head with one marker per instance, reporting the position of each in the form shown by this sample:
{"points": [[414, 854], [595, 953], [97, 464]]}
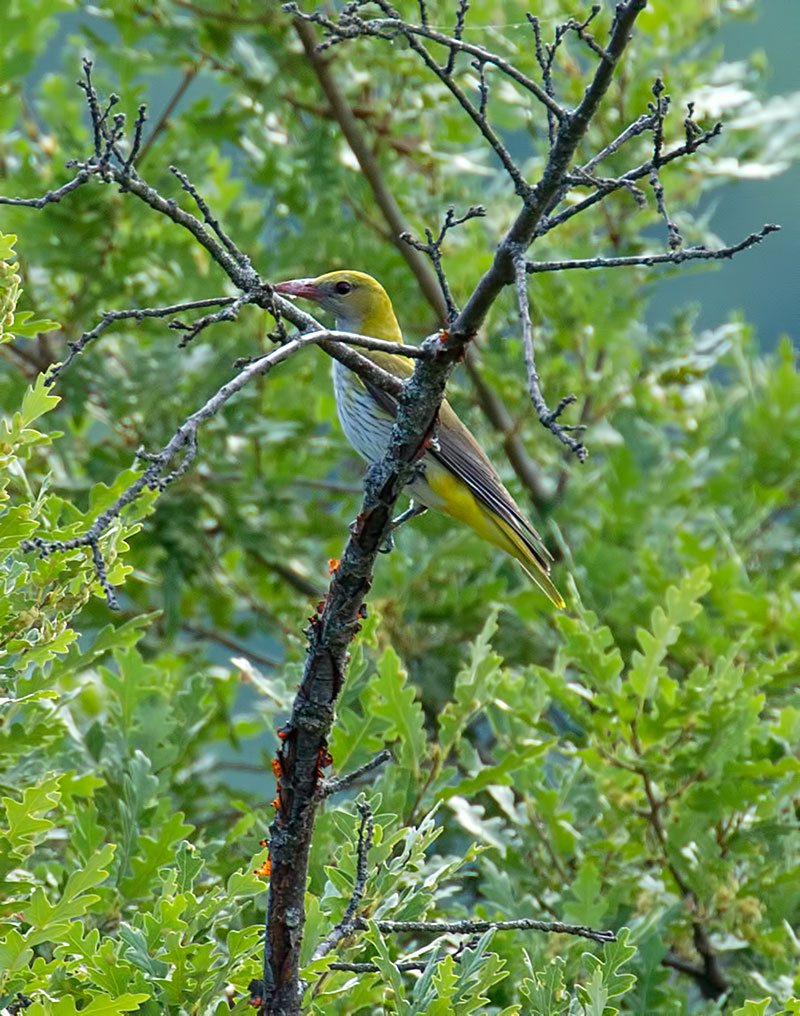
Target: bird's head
{"points": [[358, 302]]}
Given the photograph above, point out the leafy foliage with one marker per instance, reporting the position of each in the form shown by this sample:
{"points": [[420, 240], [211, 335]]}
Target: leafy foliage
{"points": [[631, 763]]}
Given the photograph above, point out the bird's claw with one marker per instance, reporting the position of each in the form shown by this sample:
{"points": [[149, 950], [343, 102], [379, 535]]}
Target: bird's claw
{"points": [[409, 513]]}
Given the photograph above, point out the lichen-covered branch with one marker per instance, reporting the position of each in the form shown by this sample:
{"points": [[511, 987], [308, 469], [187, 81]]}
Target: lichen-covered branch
{"points": [[478, 927]]}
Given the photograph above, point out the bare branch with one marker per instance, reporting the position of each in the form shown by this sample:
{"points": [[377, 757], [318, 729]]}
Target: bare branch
{"points": [[329, 339], [483, 86], [673, 258], [547, 417], [521, 187], [692, 130], [639, 126], [350, 25], [87, 87], [138, 130], [659, 112], [540, 487], [458, 31], [579, 28], [137, 314], [526, 226], [405, 966], [153, 477], [545, 60], [102, 575]]}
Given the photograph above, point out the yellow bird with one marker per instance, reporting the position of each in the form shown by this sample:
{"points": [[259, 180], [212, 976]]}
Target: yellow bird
{"points": [[454, 474]]}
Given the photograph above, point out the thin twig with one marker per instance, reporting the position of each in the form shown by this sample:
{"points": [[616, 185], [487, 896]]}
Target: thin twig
{"points": [[212, 221], [136, 314], [547, 78], [458, 31], [584, 174], [138, 130], [153, 478], [579, 28], [483, 86], [673, 258], [433, 248], [639, 126], [227, 313], [405, 966], [102, 574], [387, 28], [547, 417], [521, 186], [659, 112], [53, 196], [478, 927], [347, 924], [335, 786], [606, 187], [137, 157]]}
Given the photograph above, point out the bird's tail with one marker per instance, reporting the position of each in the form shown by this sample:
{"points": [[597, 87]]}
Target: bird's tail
{"points": [[530, 557]]}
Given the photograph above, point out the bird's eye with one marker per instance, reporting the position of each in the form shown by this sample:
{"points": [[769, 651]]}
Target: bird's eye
{"points": [[343, 288]]}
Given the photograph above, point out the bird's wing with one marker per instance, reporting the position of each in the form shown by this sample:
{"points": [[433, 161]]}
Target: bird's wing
{"points": [[459, 452]]}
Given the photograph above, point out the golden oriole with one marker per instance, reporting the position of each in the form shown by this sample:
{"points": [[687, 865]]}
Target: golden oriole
{"points": [[454, 474]]}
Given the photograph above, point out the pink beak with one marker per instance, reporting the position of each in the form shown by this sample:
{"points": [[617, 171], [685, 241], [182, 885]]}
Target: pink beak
{"points": [[299, 287]]}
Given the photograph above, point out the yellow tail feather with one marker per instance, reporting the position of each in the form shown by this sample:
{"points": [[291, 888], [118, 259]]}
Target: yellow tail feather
{"points": [[514, 545]]}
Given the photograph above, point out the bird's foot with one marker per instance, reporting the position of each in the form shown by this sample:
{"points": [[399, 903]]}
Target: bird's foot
{"points": [[410, 513]]}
